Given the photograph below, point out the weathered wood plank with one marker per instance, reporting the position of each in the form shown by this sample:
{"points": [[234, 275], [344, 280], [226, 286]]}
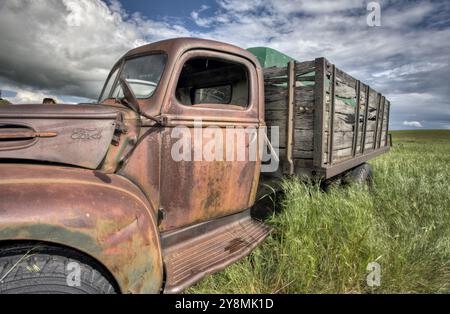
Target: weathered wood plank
{"points": [[377, 116], [332, 116], [303, 154], [345, 78], [305, 92], [366, 115], [275, 95], [280, 104], [373, 99], [290, 118], [345, 91], [383, 107], [274, 80], [356, 120], [275, 71], [319, 98], [387, 123], [304, 67]]}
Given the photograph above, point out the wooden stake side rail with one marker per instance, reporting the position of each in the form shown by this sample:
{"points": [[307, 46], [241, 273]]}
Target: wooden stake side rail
{"points": [[331, 117], [319, 112], [328, 121], [356, 124]]}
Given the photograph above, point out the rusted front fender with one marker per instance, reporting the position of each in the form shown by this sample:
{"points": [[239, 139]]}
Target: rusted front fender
{"points": [[104, 216]]}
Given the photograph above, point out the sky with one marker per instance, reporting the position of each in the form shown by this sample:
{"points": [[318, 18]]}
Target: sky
{"points": [[65, 48]]}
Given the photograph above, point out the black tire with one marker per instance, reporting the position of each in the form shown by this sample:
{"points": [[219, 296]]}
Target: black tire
{"points": [[331, 183], [43, 269], [361, 175]]}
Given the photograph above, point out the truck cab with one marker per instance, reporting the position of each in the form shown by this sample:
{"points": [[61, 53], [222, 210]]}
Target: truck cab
{"points": [[197, 90], [151, 187]]}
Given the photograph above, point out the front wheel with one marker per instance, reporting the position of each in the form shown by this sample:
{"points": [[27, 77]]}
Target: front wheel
{"points": [[39, 268]]}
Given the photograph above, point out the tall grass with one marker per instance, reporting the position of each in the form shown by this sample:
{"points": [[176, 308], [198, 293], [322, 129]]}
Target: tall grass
{"points": [[323, 242]]}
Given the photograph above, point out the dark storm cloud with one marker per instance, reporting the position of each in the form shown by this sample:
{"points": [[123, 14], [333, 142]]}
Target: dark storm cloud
{"points": [[67, 47]]}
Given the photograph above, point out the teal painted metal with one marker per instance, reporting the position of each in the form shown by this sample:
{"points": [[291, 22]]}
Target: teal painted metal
{"points": [[269, 57]]}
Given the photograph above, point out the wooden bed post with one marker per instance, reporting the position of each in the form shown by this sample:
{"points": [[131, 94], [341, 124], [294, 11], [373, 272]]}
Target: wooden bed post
{"points": [[381, 123], [375, 137], [331, 116], [366, 115], [387, 123], [319, 112], [356, 124], [290, 117]]}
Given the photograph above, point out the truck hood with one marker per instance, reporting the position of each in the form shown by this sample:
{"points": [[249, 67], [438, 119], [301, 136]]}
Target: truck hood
{"points": [[77, 135]]}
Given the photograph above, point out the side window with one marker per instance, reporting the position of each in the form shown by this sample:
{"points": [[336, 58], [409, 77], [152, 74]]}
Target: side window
{"points": [[209, 81]]}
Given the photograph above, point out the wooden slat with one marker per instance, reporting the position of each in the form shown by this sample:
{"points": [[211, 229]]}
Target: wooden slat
{"points": [[387, 122], [366, 114], [331, 118], [274, 80], [381, 122], [345, 91], [304, 67], [275, 71], [290, 117], [356, 124], [376, 121], [319, 110], [345, 78]]}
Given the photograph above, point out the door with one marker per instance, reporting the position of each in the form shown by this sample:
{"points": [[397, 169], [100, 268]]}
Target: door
{"points": [[209, 165]]}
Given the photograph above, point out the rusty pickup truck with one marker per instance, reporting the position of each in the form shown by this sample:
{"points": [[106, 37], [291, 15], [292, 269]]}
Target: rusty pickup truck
{"points": [[151, 189]]}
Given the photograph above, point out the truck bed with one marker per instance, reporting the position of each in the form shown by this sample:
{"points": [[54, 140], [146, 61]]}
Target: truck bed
{"points": [[328, 121]]}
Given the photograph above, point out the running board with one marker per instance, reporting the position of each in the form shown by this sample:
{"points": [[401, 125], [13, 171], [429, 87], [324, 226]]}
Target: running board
{"points": [[197, 251]]}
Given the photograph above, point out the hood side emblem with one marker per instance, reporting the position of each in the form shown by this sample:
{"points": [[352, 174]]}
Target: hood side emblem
{"points": [[86, 134]]}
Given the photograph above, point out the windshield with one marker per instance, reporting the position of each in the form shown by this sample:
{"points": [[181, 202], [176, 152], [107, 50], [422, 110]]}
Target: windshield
{"points": [[142, 74]]}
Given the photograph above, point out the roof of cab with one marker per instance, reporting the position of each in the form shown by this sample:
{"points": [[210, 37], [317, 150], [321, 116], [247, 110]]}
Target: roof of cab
{"points": [[181, 45]]}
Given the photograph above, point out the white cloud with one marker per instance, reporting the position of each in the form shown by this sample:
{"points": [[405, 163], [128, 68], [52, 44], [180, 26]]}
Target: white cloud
{"points": [[68, 47], [204, 22], [415, 124], [401, 18], [31, 97], [318, 6]]}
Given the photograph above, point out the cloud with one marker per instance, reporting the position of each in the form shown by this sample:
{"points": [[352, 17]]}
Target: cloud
{"points": [[67, 47], [406, 58], [204, 22], [415, 124], [31, 97]]}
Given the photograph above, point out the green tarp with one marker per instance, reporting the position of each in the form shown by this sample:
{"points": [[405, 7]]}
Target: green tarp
{"points": [[269, 57]]}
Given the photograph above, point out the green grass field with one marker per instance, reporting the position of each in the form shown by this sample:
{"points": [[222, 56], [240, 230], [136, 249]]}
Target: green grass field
{"points": [[323, 242]]}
